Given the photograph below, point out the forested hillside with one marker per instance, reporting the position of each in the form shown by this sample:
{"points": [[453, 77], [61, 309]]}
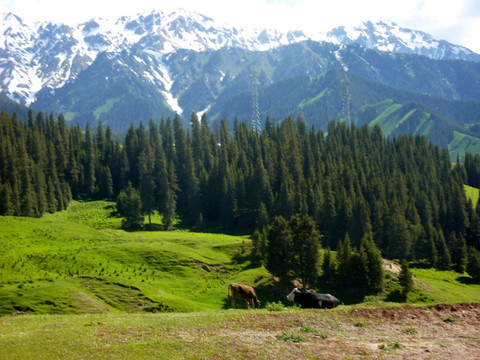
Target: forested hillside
{"points": [[403, 191]]}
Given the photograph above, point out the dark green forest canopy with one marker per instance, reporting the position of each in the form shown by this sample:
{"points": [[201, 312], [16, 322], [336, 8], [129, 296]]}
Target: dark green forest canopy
{"points": [[353, 181]]}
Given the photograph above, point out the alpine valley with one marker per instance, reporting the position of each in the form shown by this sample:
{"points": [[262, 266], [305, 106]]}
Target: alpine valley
{"points": [[152, 66]]}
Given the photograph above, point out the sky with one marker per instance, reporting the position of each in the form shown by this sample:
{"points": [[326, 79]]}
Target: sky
{"points": [[457, 21]]}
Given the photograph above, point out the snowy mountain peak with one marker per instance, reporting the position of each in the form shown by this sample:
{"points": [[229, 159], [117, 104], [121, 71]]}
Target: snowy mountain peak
{"points": [[389, 36], [47, 55], [12, 26], [8, 19]]}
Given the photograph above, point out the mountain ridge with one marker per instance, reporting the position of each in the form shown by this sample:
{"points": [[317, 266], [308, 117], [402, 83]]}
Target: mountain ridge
{"points": [[68, 49], [390, 37], [155, 65]]}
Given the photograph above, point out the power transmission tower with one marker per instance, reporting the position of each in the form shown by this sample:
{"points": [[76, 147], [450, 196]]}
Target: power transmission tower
{"points": [[346, 98], [255, 112]]}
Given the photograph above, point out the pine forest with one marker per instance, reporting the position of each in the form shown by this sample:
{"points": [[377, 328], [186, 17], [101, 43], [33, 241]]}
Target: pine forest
{"points": [[401, 195]]}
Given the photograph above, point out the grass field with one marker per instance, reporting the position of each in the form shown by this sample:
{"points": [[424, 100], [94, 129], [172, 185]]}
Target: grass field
{"points": [[407, 332], [93, 288], [472, 194], [80, 261]]}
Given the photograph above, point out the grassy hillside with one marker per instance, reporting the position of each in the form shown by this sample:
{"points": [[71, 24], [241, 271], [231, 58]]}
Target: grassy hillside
{"points": [[472, 194], [462, 143], [80, 261]]}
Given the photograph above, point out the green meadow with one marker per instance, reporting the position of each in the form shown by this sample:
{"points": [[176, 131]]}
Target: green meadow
{"points": [[80, 261], [89, 290]]}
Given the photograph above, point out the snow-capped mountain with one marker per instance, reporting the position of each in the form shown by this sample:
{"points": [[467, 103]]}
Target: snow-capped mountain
{"points": [[388, 36], [152, 65], [48, 54]]}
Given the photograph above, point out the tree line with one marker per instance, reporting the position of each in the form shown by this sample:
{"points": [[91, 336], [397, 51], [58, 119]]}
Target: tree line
{"points": [[402, 192]]}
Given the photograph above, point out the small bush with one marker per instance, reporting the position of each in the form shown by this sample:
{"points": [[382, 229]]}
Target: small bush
{"points": [[449, 319], [292, 337], [392, 346], [360, 322], [410, 330], [309, 330], [278, 306]]}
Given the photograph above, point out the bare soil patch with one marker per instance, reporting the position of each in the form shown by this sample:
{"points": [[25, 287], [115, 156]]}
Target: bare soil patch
{"points": [[408, 332]]}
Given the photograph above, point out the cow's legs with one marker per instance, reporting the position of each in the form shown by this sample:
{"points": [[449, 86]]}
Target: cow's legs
{"points": [[233, 302]]}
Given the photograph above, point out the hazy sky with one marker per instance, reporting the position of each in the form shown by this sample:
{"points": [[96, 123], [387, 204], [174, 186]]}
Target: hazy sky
{"points": [[457, 21]]}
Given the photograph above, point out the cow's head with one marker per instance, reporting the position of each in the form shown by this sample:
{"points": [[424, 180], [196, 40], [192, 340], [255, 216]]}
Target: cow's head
{"points": [[291, 296], [257, 303]]}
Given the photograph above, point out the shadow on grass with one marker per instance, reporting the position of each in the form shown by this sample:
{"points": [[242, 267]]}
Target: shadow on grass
{"points": [[396, 296], [112, 208], [467, 280], [146, 227]]}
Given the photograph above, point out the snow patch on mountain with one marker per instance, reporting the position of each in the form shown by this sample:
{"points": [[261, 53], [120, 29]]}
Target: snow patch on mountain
{"points": [[164, 76], [390, 37], [48, 55]]}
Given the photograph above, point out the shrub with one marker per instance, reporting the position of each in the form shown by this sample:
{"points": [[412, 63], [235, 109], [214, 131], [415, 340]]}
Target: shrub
{"points": [[392, 346], [410, 330], [360, 322], [278, 306], [309, 329], [324, 335], [449, 319], [292, 337]]}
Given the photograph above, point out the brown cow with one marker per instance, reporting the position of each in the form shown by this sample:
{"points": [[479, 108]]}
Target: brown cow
{"points": [[244, 292]]}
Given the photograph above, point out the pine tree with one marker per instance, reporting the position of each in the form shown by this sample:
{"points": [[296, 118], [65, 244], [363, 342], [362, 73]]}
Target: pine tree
{"points": [[305, 247], [444, 258], [373, 259], [129, 204], [258, 245], [398, 235], [89, 164], [52, 203], [405, 278], [261, 220], [170, 212], [121, 202], [329, 267], [473, 265], [473, 232], [191, 187], [344, 255], [458, 251], [457, 213], [73, 172], [40, 188], [105, 183], [28, 198], [146, 186], [278, 249], [132, 151]]}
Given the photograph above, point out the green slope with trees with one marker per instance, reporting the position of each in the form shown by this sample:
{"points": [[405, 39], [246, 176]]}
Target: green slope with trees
{"points": [[319, 99], [80, 261], [353, 189]]}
